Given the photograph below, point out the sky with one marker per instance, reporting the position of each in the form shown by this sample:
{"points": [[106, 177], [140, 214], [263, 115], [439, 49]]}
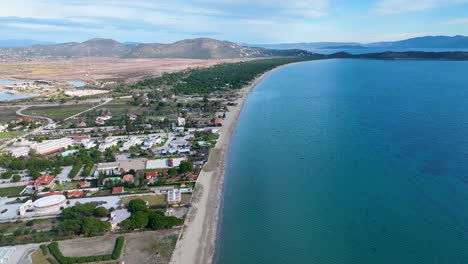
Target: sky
{"points": [[242, 21]]}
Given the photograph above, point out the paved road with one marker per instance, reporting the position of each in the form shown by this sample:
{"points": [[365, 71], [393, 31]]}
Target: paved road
{"points": [[108, 100]]}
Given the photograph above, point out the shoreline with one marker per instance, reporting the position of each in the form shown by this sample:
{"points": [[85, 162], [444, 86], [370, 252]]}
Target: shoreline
{"points": [[198, 238]]}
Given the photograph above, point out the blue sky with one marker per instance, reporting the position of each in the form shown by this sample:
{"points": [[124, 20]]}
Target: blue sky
{"points": [[249, 21]]}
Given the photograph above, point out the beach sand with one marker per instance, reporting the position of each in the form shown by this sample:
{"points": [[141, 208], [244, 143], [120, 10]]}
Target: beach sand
{"points": [[197, 240]]}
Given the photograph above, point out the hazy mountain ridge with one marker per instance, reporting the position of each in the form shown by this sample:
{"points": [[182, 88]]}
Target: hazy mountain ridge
{"points": [[200, 48], [445, 42]]}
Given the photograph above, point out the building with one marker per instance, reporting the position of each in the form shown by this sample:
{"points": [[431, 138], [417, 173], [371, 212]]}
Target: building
{"points": [[133, 141], [44, 181], [180, 122], [217, 122], [151, 176], [108, 143], [174, 196], [75, 193], [117, 190], [5, 253], [48, 205], [108, 168], [52, 146], [163, 163], [128, 178], [85, 184]]}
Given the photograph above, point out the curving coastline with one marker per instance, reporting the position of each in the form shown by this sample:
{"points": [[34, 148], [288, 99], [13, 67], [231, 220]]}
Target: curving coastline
{"points": [[197, 240]]}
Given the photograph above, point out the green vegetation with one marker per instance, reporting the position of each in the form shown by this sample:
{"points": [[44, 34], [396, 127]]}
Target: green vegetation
{"points": [[142, 218], [227, 76], [11, 191], [116, 253], [57, 112], [11, 134], [81, 220]]}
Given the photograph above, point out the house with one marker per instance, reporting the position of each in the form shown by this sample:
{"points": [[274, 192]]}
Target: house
{"points": [[132, 117], [217, 122], [108, 168], [117, 190], [85, 184], [44, 181], [174, 196], [82, 124], [128, 178], [75, 193], [151, 176], [180, 122]]}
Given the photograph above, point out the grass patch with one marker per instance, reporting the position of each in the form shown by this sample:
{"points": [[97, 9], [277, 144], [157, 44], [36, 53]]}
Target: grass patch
{"points": [[11, 134], [39, 258], [153, 200], [11, 191], [185, 198], [164, 247], [56, 112]]}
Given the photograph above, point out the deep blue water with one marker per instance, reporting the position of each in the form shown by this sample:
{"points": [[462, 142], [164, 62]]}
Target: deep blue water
{"points": [[374, 50], [350, 161]]}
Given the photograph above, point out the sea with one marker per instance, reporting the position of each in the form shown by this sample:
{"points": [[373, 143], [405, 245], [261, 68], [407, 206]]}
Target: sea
{"points": [[350, 161]]}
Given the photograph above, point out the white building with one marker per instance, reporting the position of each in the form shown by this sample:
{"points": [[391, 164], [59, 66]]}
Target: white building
{"points": [[52, 146], [163, 163], [174, 196], [88, 144], [5, 253], [180, 122], [108, 143], [49, 205], [133, 141]]}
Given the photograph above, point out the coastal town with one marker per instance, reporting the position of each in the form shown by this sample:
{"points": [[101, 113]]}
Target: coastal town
{"points": [[96, 157]]}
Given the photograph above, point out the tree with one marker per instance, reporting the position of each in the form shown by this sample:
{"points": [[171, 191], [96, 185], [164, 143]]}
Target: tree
{"points": [[185, 166], [136, 205], [172, 172], [100, 211], [140, 219], [16, 178]]}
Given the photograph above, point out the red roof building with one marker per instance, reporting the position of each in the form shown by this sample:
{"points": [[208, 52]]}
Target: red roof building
{"points": [[85, 184], [51, 193], [44, 180], [127, 178], [76, 193], [117, 190], [217, 122]]}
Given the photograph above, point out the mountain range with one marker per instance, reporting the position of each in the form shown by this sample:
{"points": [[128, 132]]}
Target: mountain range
{"points": [[200, 48], [427, 42]]}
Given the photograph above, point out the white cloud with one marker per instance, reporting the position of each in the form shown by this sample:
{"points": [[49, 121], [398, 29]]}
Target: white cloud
{"points": [[387, 7]]}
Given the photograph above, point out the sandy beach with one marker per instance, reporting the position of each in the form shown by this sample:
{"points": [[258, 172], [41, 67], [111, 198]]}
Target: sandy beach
{"points": [[196, 243]]}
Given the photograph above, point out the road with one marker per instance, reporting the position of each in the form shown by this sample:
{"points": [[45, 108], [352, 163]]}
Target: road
{"points": [[50, 121]]}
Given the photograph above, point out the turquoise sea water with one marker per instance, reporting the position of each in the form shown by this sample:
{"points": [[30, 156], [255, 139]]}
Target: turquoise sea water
{"points": [[350, 161]]}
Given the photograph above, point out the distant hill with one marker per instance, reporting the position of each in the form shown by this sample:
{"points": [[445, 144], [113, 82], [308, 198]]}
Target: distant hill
{"points": [[407, 55], [302, 46], [12, 43], [200, 48], [428, 42]]}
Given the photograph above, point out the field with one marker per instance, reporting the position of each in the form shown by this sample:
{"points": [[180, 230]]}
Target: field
{"points": [[8, 113], [11, 191], [153, 200], [39, 258], [57, 113], [11, 134], [93, 69], [140, 247]]}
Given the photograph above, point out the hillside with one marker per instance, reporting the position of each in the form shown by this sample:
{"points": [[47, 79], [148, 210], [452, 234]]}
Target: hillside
{"points": [[200, 48]]}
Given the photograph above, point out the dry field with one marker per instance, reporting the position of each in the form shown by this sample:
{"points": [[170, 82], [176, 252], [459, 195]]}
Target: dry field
{"points": [[140, 247], [92, 69]]}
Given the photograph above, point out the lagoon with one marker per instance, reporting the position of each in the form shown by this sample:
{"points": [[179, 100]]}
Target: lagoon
{"points": [[350, 161]]}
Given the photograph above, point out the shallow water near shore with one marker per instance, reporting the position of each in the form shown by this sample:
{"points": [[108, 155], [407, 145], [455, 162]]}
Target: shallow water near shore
{"points": [[350, 161]]}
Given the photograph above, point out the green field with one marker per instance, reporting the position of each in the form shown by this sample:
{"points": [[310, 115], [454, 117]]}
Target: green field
{"points": [[11, 191], [57, 113], [11, 134]]}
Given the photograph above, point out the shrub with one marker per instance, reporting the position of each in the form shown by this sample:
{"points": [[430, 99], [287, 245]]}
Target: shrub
{"points": [[44, 249], [119, 244]]}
